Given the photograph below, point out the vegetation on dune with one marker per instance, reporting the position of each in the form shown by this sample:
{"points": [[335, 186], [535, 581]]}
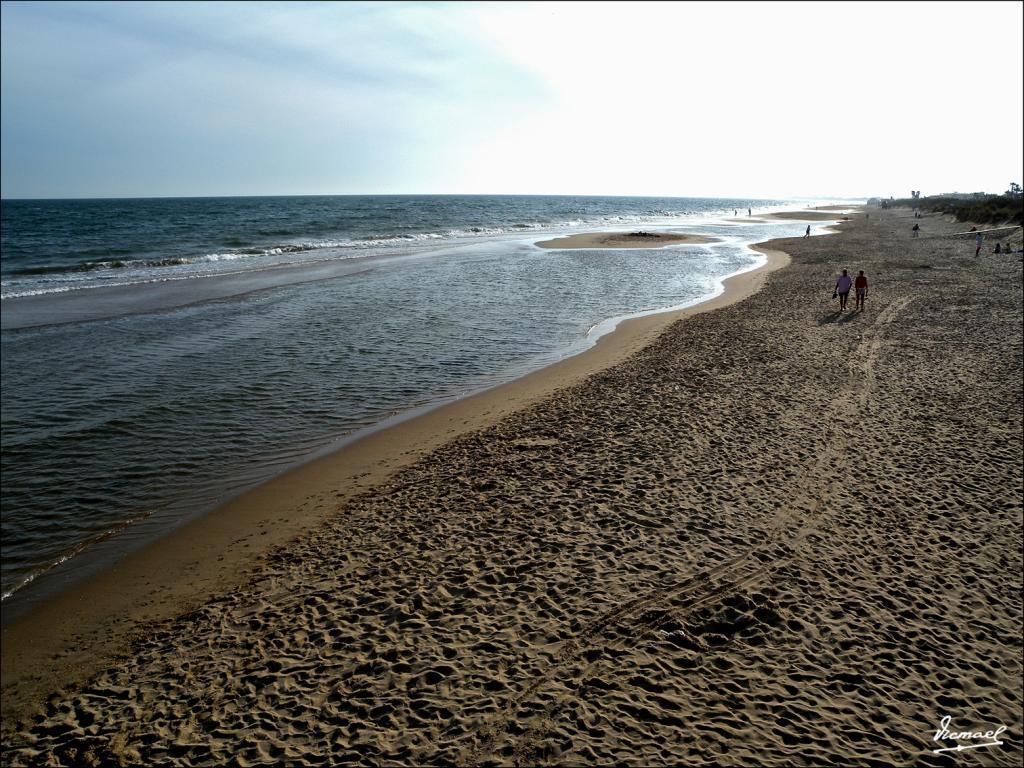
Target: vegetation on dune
{"points": [[979, 208]]}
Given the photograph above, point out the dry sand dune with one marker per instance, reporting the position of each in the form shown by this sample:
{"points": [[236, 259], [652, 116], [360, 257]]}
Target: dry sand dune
{"points": [[776, 536]]}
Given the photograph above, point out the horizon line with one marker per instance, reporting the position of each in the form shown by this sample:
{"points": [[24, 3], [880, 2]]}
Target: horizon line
{"points": [[434, 194]]}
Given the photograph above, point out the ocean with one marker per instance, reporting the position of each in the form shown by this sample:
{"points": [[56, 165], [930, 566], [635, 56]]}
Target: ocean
{"points": [[160, 356]]}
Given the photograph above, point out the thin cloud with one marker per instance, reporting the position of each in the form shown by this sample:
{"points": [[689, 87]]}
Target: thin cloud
{"points": [[757, 99]]}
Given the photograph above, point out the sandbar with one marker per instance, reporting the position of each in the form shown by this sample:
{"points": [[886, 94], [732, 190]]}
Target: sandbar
{"points": [[641, 239], [803, 216]]}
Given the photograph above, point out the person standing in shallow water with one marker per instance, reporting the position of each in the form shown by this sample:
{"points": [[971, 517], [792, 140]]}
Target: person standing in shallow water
{"points": [[842, 289], [860, 287], [808, 232]]}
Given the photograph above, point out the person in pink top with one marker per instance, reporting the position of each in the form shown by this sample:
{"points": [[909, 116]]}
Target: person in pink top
{"points": [[842, 289]]}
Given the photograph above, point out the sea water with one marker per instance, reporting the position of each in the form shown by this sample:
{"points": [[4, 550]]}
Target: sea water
{"points": [[160, 356]]}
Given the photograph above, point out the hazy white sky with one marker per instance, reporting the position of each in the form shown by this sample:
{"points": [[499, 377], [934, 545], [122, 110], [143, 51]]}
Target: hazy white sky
{"points": [[692, 99]]}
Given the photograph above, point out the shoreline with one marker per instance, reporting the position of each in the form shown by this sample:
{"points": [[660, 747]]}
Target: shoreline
{"points": [[75, 632], [732, 546]]}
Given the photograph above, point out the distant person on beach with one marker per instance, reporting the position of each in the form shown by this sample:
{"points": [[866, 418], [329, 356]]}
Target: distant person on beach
{"points": [[808, 232], [977, 244], [860, 286], [842, 290], [748, 211], [915, 230]]}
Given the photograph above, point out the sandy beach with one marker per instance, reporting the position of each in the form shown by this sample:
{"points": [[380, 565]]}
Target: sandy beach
{"points": [[762, 533]]}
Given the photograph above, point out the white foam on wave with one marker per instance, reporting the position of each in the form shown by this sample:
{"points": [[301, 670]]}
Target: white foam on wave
{"points": [[72, 551], [285, 254]]}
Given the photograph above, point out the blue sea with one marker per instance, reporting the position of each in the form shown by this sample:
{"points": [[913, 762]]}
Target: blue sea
{"points": [[160, 356]]}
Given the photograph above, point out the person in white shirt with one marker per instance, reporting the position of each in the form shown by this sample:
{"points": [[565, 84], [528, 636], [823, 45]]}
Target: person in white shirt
{"points": [[842, 289]]}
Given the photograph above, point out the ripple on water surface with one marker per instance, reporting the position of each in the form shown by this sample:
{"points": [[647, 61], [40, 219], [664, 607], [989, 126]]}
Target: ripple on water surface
{"points": [[150, 417]]}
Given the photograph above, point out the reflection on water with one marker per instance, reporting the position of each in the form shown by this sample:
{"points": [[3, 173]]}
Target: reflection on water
{"points": [[150, 417]]}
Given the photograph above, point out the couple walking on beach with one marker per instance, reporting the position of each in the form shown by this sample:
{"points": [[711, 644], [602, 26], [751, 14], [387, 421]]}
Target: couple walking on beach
{"points": [[842, 289]]}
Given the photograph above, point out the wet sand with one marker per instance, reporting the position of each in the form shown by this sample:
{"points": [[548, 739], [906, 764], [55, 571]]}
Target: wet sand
{"points": [[70, 637], [767, 534]]}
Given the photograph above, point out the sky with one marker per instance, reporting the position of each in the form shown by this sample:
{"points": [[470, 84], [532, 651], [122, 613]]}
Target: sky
{"points": [[722, 99]]}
